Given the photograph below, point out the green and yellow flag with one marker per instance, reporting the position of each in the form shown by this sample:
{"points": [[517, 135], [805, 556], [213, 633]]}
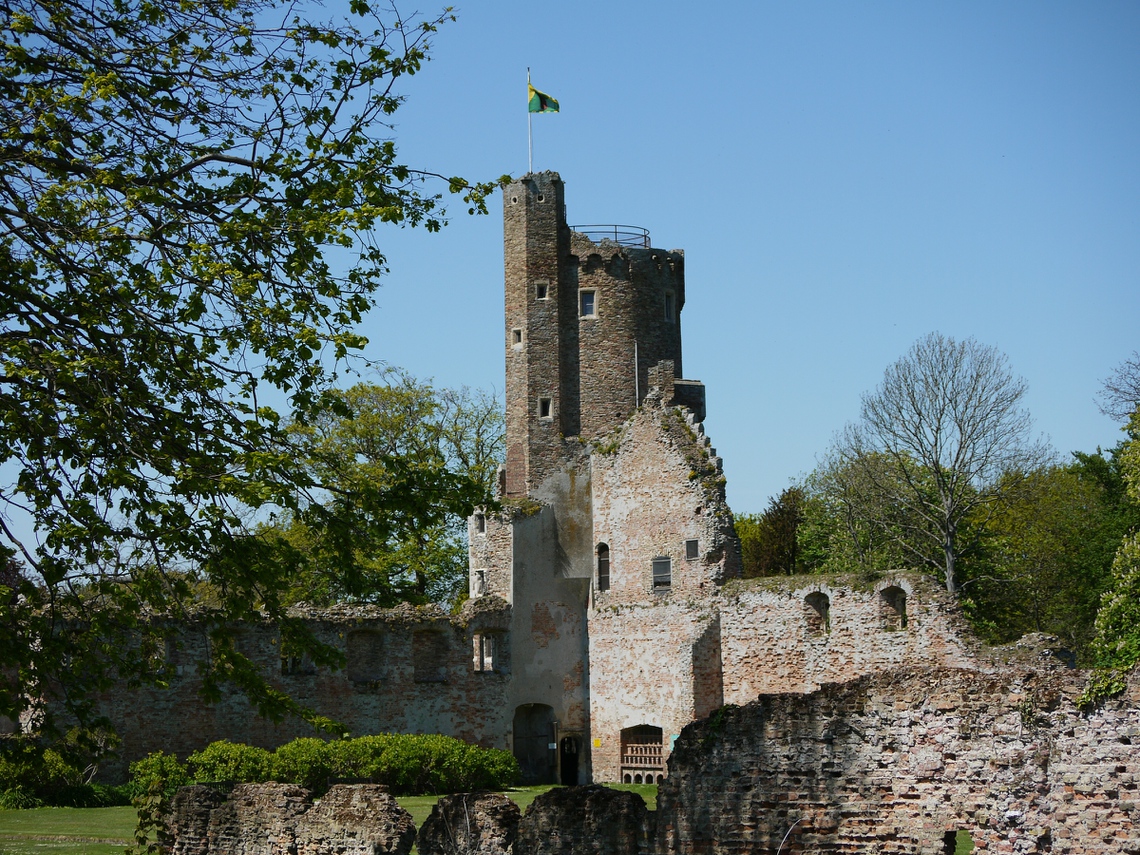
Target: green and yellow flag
{"points": [[539, 102]]}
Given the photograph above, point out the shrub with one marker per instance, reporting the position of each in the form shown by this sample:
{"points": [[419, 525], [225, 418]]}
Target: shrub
{"points": [[157, 766], [32, 776], [230, 761], [306, 761]]}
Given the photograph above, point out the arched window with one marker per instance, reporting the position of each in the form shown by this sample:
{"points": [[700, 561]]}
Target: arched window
{"points": [[603, 567], [892, 608], [817, 610]]}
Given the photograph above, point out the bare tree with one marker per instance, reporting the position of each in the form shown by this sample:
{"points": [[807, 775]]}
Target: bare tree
{"points": [[943, 441], [1120, 396]]}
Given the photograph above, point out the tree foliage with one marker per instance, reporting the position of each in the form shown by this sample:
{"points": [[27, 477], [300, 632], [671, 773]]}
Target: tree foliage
{"points": [[399, 427], [171, 176], [941, 444], [1047, 557], [768, 541], [1117, 643]]}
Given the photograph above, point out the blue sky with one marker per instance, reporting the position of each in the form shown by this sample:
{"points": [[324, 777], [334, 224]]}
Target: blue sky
{"points": [[843, 177]]}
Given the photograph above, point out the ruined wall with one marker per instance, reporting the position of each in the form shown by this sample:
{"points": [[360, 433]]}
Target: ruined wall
{"points": [[281, 819], [643, 672], [793, 634], [901, 762], [656, 486], [547, 694], [408, 670]]}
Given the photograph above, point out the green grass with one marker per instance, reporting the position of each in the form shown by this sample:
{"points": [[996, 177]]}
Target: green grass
{"points": [[105, 831], [66, 831]]}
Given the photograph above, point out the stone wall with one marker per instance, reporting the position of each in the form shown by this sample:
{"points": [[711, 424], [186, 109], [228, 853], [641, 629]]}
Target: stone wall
{"points": [[408, 670], [282, 819], [904, 761], [793, 634], [658, 490]]}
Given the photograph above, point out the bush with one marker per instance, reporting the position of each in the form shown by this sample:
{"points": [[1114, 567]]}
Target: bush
{"points": [[424, 764], [409, 765], [306, 761], [230, 761], [32, 776], [156, 767]]}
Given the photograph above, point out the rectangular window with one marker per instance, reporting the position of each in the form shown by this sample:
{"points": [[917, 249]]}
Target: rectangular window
{"points": [[544, 408], [603, 568], [540, 291], [366, 656], [484, 652], [670, 308], [662, 572], [480, 524], [692, 549], [588, 301], [429, 657], [516, 336]]}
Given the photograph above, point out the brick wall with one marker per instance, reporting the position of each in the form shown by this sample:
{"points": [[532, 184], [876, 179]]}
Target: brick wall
{"points": [[389, 684], [774, 638], [896, 762]]}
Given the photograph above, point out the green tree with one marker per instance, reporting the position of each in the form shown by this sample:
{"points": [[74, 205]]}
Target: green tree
{"points": [[1046, 559], [395, 427], [768, 541], [849, 522], [171, 176], [941, 444], [1117, 644]]}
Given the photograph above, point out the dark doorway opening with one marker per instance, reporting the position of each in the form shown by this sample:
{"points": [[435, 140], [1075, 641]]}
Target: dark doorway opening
{"points": [[568, 760], [535, 743]]}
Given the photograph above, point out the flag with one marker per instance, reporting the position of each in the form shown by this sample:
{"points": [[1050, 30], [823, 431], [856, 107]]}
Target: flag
{"points": [[539, 102]]}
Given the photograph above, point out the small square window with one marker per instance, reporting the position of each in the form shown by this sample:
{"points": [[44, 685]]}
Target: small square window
{"points": [[692, 549], [516, 336], [588, 301], [540, 291], [544, 408], [662, 573]]}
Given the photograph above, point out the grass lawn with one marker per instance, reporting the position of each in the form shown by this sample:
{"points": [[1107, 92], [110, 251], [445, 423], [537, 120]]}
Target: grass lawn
{"points": [[66, 831], [105, 831]]}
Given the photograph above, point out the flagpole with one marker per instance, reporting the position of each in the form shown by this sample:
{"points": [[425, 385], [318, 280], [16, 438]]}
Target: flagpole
{"points": [[529, 131]]}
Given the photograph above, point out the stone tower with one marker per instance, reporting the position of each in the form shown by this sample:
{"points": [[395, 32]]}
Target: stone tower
{"points": [[586, 323]]}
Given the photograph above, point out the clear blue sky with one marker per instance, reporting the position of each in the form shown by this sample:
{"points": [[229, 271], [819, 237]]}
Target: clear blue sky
{"points": [[843, 177]]}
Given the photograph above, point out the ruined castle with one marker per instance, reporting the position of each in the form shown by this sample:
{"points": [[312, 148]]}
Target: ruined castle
{"points": [[603, 614], [607, 633]]}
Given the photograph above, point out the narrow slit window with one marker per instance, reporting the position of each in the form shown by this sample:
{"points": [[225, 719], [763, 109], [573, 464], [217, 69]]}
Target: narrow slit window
{"points": [[480, 524], [670, 307], [662, 573], [603, 567]]}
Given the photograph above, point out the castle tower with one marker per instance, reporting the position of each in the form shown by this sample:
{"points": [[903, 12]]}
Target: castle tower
{"points": [[587, 326], [542, 405]]}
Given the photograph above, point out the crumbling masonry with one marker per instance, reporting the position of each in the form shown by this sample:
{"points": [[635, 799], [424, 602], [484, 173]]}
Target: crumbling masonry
{"points": [[603, 615], [608, 638]]}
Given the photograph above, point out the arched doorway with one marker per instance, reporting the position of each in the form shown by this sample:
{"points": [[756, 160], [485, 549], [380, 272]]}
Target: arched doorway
{"points": [[642, 755], [534, 743]]}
